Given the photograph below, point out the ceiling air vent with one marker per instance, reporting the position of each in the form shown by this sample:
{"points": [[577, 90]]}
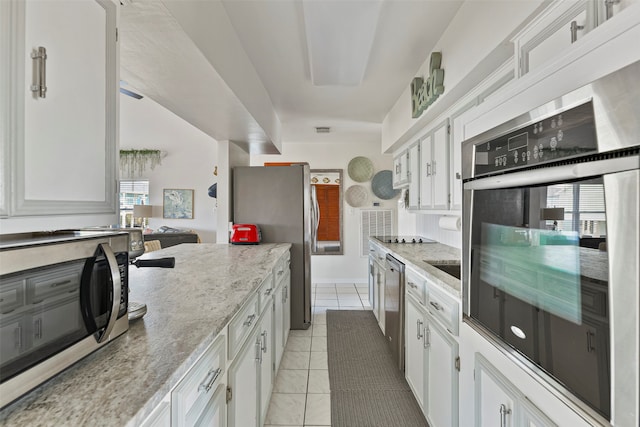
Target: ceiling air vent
{"points": [[323, 129]]}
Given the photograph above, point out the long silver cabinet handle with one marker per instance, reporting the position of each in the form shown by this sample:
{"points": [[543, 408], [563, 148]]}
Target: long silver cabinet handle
{"points": [[427, 337], [206, 385], [504, 411], [418, 327], [39, 86], [249, 320], [264, 341], [259, 350]]}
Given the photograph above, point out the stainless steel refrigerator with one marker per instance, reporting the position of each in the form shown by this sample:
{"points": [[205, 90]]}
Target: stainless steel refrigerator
{"points": [[278, 200]]}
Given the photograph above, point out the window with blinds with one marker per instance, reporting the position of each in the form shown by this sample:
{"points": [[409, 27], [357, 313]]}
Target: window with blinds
{"points": [[132, 192], [374, 222], [584, 210]]}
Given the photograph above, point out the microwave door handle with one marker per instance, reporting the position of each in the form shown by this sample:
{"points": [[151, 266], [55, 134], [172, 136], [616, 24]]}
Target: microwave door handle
{"points": [[115, 281]]}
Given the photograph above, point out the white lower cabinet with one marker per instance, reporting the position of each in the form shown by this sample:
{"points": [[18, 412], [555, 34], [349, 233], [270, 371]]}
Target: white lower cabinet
{"points": [[499, 403], [251, 375], [161, 415], [251, 346], [192, 400], [441, 406], [266, 362], [243, 384], [414, 366], [281, 318], [431, 364]]}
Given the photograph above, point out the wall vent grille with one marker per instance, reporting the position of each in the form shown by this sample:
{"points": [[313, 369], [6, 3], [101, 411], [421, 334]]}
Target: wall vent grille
{"points": [[374, 222]]}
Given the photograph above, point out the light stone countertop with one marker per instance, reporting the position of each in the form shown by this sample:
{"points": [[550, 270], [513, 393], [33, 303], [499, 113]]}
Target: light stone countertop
{"points": [[418, 256], [188, 306]]}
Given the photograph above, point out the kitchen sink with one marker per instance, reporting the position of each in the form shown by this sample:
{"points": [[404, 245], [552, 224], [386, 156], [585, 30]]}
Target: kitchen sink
{"points": [[450, 269]]}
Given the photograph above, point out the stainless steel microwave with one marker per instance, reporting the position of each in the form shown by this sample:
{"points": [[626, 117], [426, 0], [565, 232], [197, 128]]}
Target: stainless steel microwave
{"points": [[63, 295]]}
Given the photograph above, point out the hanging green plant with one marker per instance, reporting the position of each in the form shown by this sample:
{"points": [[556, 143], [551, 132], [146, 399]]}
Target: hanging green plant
{"points": [[133, 161]]}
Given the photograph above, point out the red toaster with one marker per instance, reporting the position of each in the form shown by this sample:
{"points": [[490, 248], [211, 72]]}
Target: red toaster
{"points": [[245, 234]]}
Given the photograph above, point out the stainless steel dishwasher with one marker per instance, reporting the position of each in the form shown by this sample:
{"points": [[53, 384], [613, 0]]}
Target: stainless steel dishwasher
{"points": [[394, 308]]}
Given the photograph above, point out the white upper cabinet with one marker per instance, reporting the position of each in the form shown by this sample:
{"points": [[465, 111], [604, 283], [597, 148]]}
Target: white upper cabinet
{"points": [[434, 168], [552, 32], [414, 176], [457, 136], [60, 110], [401, 169]]}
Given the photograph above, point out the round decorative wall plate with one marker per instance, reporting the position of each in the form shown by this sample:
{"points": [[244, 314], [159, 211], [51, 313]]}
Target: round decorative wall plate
{"points": [[356, 196], [360, 169], [382, 185]]}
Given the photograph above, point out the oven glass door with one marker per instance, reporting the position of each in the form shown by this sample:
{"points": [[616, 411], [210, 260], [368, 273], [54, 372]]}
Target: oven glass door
{"points": [[539, 279], [41, 310]]}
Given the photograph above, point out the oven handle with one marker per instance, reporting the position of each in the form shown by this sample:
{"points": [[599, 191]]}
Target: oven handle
{"points": [[115, 281], [555, 173]]}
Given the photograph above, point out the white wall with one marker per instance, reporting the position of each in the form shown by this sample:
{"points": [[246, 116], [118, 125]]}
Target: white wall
{"points": [[474, 43], [350, 267], [189, 164]]}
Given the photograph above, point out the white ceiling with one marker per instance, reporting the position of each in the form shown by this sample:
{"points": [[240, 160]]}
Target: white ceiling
{"points": [[239, 69]]}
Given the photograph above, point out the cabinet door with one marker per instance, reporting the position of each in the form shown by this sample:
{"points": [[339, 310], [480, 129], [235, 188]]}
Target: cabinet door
{"points": [[494, 401], [414, 176], [372, 275], [266, 362], [243, 381], [397, 170], [400, 169], [426, 172], [215, 413], [441, 407], [434, 168], [458, 120], [278, 325], [440, 166], [380, 295], [12, 338], [161, 415], [65, 143], [286, 283], [414, 348], [553, 32]]}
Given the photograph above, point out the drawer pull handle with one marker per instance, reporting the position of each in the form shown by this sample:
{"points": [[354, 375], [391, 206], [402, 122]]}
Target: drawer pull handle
{"points": [[66, 282], [39, 86], [206, 385], [413, 285], [436, 305], [268, 291], [249, 320]]}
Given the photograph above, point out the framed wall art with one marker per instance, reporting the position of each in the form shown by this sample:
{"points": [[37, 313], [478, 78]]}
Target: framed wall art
{"points": [[177, 203]]}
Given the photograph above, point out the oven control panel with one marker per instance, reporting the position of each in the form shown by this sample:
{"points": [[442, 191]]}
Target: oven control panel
{"points": [[567, 134]]}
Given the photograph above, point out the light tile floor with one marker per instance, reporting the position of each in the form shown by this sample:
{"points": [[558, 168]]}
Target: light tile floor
{"points": [[301, 394]]}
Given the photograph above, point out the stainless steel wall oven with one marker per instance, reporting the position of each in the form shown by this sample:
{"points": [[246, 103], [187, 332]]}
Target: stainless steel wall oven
{"points": [[550, 243], [63, 295]]}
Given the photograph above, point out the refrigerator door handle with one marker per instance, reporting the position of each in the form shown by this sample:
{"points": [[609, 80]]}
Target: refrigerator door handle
{"points": [[315, 218]]}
